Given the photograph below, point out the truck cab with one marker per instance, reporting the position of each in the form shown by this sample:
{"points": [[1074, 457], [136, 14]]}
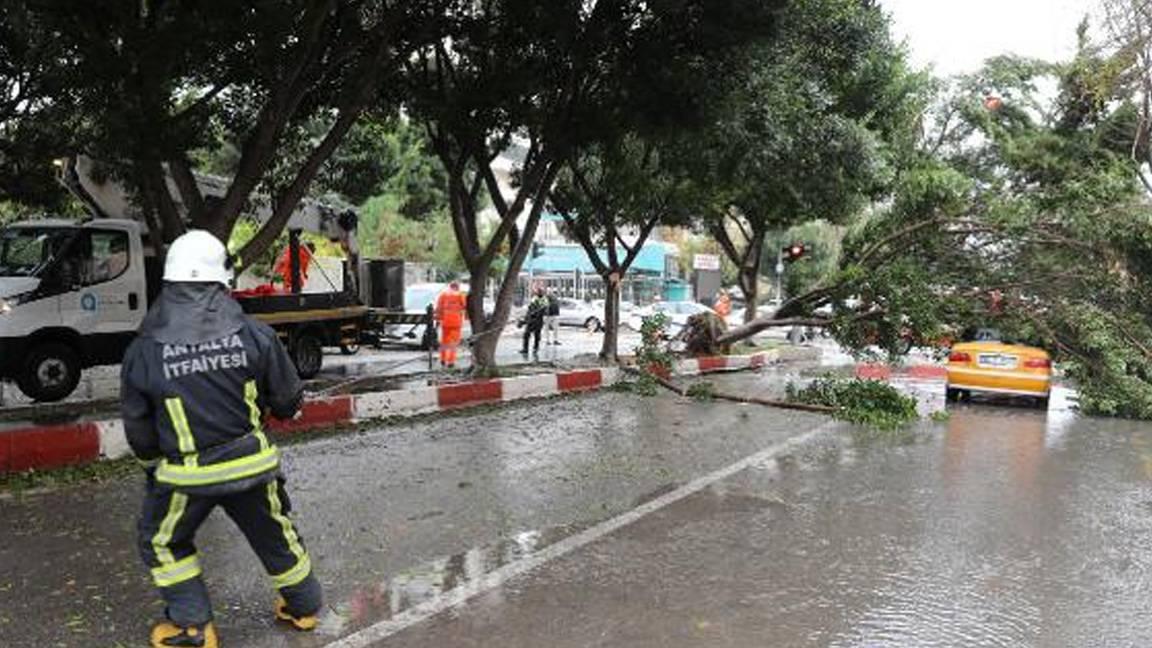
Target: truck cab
{"points": [[72, 295]]}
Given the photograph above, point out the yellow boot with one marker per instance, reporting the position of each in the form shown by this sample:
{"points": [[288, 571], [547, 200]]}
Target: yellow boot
{"points": [[301, 623], [168, 635]]}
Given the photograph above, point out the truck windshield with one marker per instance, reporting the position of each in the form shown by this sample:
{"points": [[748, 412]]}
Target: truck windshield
{"points": [[25, 251]]}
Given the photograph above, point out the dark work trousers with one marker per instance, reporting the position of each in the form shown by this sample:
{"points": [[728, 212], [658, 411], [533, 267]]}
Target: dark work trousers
{"points": [[532, 329], [167, 532]]}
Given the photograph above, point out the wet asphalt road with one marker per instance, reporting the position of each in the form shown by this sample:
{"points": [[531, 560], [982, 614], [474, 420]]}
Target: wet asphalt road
{"points": [[1001, 526]]}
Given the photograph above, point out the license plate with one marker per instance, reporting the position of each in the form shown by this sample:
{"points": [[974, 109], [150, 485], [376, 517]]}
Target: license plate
{"points": [[996, 360]]}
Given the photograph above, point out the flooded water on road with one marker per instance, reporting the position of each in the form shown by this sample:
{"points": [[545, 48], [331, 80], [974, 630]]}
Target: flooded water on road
{"points": [[1002, 526]]}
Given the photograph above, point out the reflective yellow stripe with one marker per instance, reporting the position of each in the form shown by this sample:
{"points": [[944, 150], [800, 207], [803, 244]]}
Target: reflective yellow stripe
{"points": [[250, 396], [184, 439], [277, 509], [250, 466], [293, 576], [177, 572], [167, 527]]}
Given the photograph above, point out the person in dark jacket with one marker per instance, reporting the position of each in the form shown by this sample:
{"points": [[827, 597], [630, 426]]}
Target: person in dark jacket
{"points": [[534, 320], [552, 319], [196, 385]]}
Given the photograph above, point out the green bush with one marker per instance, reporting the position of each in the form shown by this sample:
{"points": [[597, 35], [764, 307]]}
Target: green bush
{"points": [[652, 354], [866, 402], [701, 391]]}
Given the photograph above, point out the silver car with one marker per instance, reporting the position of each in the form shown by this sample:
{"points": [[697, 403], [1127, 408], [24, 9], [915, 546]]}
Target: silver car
{"points": [[678, 313], [575, 312]]}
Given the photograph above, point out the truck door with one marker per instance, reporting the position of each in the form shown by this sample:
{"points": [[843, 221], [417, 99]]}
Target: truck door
{"points": [[109, 301]]}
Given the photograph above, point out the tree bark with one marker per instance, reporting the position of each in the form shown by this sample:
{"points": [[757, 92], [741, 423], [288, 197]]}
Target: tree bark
{"points": [[258, 150], [609, 349], [750, 286], [486, 336]]}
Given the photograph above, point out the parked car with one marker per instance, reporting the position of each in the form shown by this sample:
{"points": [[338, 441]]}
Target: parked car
{"points": [[575, 312], [678, 313], [989, 364], [625, 306], [736, 318]]}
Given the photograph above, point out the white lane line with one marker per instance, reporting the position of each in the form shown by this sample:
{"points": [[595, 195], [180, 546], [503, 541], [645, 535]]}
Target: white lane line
{"points": [[496, 578]]}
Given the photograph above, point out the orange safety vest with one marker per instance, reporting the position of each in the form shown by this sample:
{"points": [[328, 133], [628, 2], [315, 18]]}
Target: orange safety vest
{"points": [[284, 265], [451, 308]]}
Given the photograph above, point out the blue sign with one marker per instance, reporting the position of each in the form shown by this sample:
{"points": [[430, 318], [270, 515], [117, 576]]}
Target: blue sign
{"points": [[88, 302]]}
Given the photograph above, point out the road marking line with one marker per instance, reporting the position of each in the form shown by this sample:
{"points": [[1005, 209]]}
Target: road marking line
{"points": [[496, 578]]}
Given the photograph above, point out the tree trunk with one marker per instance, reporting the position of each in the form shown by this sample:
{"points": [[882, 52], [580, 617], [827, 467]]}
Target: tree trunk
{"points": [[609, 349], [750, 274], [750, 286], [485, 336]]}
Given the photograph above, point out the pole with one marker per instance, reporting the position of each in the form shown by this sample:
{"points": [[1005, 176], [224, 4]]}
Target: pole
{"points": [[779, 276], [294, 259]]}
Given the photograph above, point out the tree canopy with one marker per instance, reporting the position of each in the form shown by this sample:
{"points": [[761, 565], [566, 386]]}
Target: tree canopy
{"points": [[806, 134]]}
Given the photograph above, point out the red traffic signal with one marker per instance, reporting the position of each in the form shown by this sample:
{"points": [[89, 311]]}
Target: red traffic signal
{"points": [[794, 252]]}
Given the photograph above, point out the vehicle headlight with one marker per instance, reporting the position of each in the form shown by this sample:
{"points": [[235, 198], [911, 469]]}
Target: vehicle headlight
{"points": [[5, 307]]}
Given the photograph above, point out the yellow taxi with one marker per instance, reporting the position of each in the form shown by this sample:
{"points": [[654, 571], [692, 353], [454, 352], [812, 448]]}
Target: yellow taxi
{"points": [[989, 364]]}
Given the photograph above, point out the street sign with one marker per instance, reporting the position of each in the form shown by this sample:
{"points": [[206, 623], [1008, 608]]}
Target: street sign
{"points": [[706, 262], [779, 268]]}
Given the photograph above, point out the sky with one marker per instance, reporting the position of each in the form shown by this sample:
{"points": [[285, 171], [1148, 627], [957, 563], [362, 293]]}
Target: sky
{"points": [[955, 36]]}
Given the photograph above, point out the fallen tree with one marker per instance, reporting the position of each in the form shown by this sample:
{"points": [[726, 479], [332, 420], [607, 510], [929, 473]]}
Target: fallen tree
{"points": [[1019, 214]]}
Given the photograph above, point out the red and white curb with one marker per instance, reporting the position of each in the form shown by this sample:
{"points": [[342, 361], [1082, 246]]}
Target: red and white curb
{"points": [[50, 446]]}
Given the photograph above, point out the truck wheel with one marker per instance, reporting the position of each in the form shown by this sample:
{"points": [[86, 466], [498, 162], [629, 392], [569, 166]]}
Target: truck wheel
{"points": [[50, 372], [307, 355]]}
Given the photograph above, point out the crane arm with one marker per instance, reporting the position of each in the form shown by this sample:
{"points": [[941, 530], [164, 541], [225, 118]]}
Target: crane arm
{"points": [[106, 197]]}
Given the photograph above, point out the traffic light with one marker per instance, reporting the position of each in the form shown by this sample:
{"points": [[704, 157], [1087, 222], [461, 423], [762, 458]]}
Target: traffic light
{"points": [[794, 252]]}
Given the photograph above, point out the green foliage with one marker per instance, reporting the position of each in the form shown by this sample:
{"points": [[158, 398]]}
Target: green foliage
{"points": [[652, 356], [701, 391], [821, 261], [643, 385], [386, 232], [940, 416], [864, 402], [811, 133]]}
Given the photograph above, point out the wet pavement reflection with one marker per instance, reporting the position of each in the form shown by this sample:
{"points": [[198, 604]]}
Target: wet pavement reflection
{"points": [[999, 526], [1002, 526]]}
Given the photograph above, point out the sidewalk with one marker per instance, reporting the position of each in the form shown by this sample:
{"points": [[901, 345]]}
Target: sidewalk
{"points": [[103, 383], [89, 438]]}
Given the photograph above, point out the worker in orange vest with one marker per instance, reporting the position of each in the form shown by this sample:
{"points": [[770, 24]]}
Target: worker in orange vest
{"points": [[283, 266], [451, 311], [723, 304]]}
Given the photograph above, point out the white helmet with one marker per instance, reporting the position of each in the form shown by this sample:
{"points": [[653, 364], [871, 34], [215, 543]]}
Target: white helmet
{"points": [[197, 256]]}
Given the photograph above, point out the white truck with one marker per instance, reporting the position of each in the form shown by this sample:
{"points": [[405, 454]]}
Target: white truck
{"points": [[73, 293]]}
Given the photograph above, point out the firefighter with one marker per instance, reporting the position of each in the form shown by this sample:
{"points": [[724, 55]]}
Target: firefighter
{"points": [[196, 384], [451, 311]]}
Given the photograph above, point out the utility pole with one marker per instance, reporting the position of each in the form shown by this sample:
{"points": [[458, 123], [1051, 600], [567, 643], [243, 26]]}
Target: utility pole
{"points": [[779, 276]]}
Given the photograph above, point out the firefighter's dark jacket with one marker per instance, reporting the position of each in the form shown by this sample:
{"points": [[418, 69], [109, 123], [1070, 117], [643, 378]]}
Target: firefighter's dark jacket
{"points": [[195, 385]]}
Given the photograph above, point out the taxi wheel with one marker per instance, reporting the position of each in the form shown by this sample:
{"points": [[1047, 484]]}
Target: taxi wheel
{"points": [[1041, 403], [951, 395]]}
